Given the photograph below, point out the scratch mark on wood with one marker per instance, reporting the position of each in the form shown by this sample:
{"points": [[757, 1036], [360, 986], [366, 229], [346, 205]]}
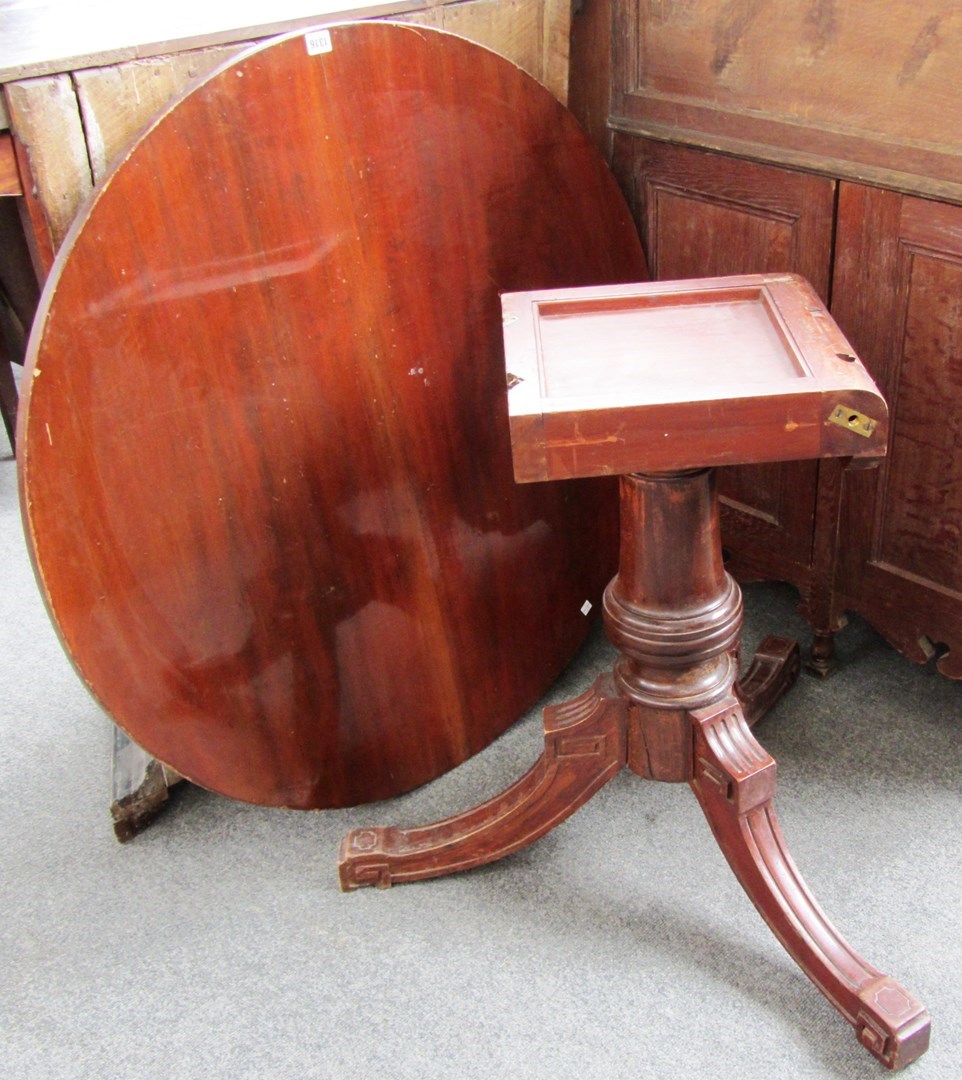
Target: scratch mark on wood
{"points": [[822, 23], [925, 43], [733, 21]]}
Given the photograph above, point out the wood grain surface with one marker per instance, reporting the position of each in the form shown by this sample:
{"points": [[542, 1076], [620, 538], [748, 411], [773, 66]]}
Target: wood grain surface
{"points": [[897, 294], [9, 173], [864, 91], [266, 470]]}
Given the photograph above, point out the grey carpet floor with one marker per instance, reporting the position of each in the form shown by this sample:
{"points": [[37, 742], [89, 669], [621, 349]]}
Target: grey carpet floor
{"points": [[217, 943]]}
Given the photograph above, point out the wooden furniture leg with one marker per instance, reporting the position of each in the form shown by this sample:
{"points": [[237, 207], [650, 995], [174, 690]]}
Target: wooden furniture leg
{"points": [[584, 747], [673, 707], [8, 398], [671, 710], [734, 781], [772, 673]]}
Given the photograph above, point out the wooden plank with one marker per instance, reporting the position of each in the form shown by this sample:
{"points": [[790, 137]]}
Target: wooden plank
{"points": [[51, 38], [117, 102], [886, 70], [46, 118], [36, 226], [9, 173], [556, 47], [589, 78]]}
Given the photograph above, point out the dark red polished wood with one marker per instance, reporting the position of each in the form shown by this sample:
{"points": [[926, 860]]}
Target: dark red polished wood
{"points": [[266, 469], [682, 374], [673, 708]]}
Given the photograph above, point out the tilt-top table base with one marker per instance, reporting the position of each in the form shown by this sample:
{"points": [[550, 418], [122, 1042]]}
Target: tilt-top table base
{"points": [[671, 709], [659, 383]]}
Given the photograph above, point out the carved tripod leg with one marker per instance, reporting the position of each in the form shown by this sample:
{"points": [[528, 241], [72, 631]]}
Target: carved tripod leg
{"points": [[584, 748], [734, 780], [772, 674]]}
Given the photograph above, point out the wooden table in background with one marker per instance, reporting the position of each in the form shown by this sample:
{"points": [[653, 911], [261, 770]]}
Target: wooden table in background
{"points": [[75, 94], [264, 448]]}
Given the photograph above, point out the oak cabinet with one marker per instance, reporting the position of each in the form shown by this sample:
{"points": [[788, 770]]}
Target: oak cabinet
{"points": [[839, 87], [885, 543], [898, 296], [820, 139]]}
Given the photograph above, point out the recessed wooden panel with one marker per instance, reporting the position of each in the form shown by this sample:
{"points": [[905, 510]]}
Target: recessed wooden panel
{"points": [[706, 214], [703, 236], [266, 466], [920, 522], [700, 214], [897, 287], [859, 89]]}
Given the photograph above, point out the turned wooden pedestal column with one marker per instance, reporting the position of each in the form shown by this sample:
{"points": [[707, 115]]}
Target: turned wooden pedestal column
{"points": [[673, 613], [672, 708]]}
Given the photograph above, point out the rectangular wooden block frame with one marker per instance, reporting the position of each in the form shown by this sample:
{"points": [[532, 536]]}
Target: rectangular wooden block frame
{"points": [[684, 374]]}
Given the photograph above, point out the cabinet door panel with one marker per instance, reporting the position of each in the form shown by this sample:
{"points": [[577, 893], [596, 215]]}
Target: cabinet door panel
{"points": [[701, 214], [898, 296]]}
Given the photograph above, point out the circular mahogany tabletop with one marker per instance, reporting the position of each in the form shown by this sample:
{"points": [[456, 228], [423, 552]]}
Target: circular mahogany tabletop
{"points": [[265, 463]]}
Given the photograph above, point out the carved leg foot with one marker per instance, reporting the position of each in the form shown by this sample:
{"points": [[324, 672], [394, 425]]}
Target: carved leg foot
{"points": [[822, 662], [772, 673], [584, 748], [734, 781]]}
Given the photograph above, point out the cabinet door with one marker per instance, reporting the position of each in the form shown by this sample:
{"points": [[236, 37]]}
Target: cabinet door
{"points": [[702, 214], [898, 296]]}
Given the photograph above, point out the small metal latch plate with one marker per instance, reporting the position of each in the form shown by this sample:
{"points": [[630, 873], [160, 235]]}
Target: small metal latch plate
{"points": [[513, 380], [853, 420]]}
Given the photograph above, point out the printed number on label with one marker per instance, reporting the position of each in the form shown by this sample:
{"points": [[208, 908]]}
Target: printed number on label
{"points": [[318, 41]]}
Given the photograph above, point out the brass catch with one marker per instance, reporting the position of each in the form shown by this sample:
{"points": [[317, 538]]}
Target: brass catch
{"points": [[853, 420], [513, 380]]}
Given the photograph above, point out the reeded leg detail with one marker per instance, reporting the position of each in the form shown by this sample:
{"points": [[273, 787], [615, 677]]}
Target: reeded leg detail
{"points": [[772, 673], [584, 748], [734, 781]]}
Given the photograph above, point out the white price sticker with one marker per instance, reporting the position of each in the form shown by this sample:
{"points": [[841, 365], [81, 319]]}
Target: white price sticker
{"points": [[318, 41]]}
